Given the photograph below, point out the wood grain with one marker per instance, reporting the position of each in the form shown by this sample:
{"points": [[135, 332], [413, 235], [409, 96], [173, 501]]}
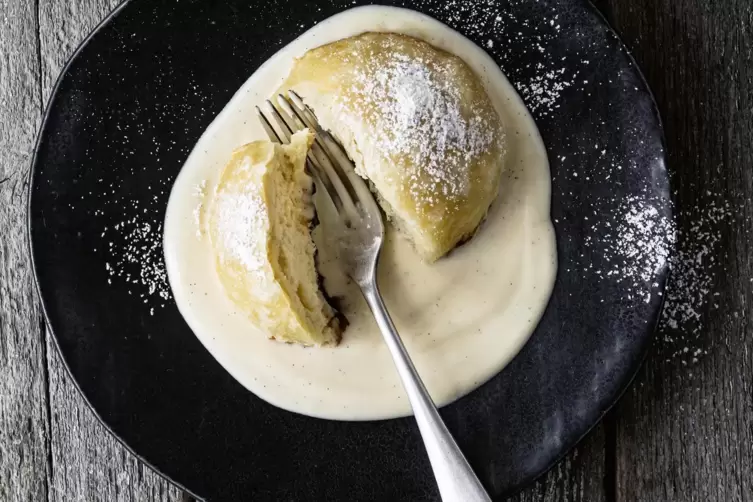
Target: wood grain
{"points": [[684, 432], [24, 431], [580, 477], [87, 462], [63, 25]]}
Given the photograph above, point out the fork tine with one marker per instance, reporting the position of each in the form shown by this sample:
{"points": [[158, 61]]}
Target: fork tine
{"points": [[286, 130], [360, 191], [319, 156], [268, 126], [336, 157], [307, 115], [283, 125], [316, 160], [309, 118], [283, 102]]}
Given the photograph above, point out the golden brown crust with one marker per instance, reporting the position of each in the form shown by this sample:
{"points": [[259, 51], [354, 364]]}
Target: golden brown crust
{"points": [[418, 124]]}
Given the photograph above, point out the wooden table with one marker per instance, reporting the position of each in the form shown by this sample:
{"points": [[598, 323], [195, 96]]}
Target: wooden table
{"points": [[683, 432]]}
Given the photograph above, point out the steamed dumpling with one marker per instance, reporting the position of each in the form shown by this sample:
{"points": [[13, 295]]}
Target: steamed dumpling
{"points": [[259, 226], [417, 123]]}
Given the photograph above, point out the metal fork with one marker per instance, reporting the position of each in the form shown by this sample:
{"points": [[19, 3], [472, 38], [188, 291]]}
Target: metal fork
{"points": [[360, 236]]}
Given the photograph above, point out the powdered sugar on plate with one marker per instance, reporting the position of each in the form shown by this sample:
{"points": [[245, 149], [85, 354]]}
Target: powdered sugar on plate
{"points": [[633, 244], [134, 248], [129, 205], [543, 88], [641, 244]]}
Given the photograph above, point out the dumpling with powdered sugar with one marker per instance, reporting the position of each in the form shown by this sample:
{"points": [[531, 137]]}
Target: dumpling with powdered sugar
{"points": [[259, 226], [417, 123]]}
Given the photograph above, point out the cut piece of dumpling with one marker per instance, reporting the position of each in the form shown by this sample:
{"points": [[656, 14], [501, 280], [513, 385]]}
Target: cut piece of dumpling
{"points": [[417, 123], [259, 225]]}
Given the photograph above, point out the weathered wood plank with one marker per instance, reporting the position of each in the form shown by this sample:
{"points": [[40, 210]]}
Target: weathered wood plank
{"points": [[87, 462], [63, 25], [24, 431], [579, 477], [685, 430]]}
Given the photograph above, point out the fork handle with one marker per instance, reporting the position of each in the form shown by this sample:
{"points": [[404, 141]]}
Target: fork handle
{"points": [[456, 480]]}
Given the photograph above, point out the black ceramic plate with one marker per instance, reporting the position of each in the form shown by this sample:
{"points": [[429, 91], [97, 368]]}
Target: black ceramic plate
{"points": [[123, 118]]}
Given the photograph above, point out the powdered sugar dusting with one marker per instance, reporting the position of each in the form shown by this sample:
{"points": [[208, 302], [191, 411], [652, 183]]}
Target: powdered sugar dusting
{"points": [[241, 218], [635, 243], [427, 127], [136, 258], [645, 238], [690, 292], [133, 177], [643, 244], [547, 74], [542, 91]]}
